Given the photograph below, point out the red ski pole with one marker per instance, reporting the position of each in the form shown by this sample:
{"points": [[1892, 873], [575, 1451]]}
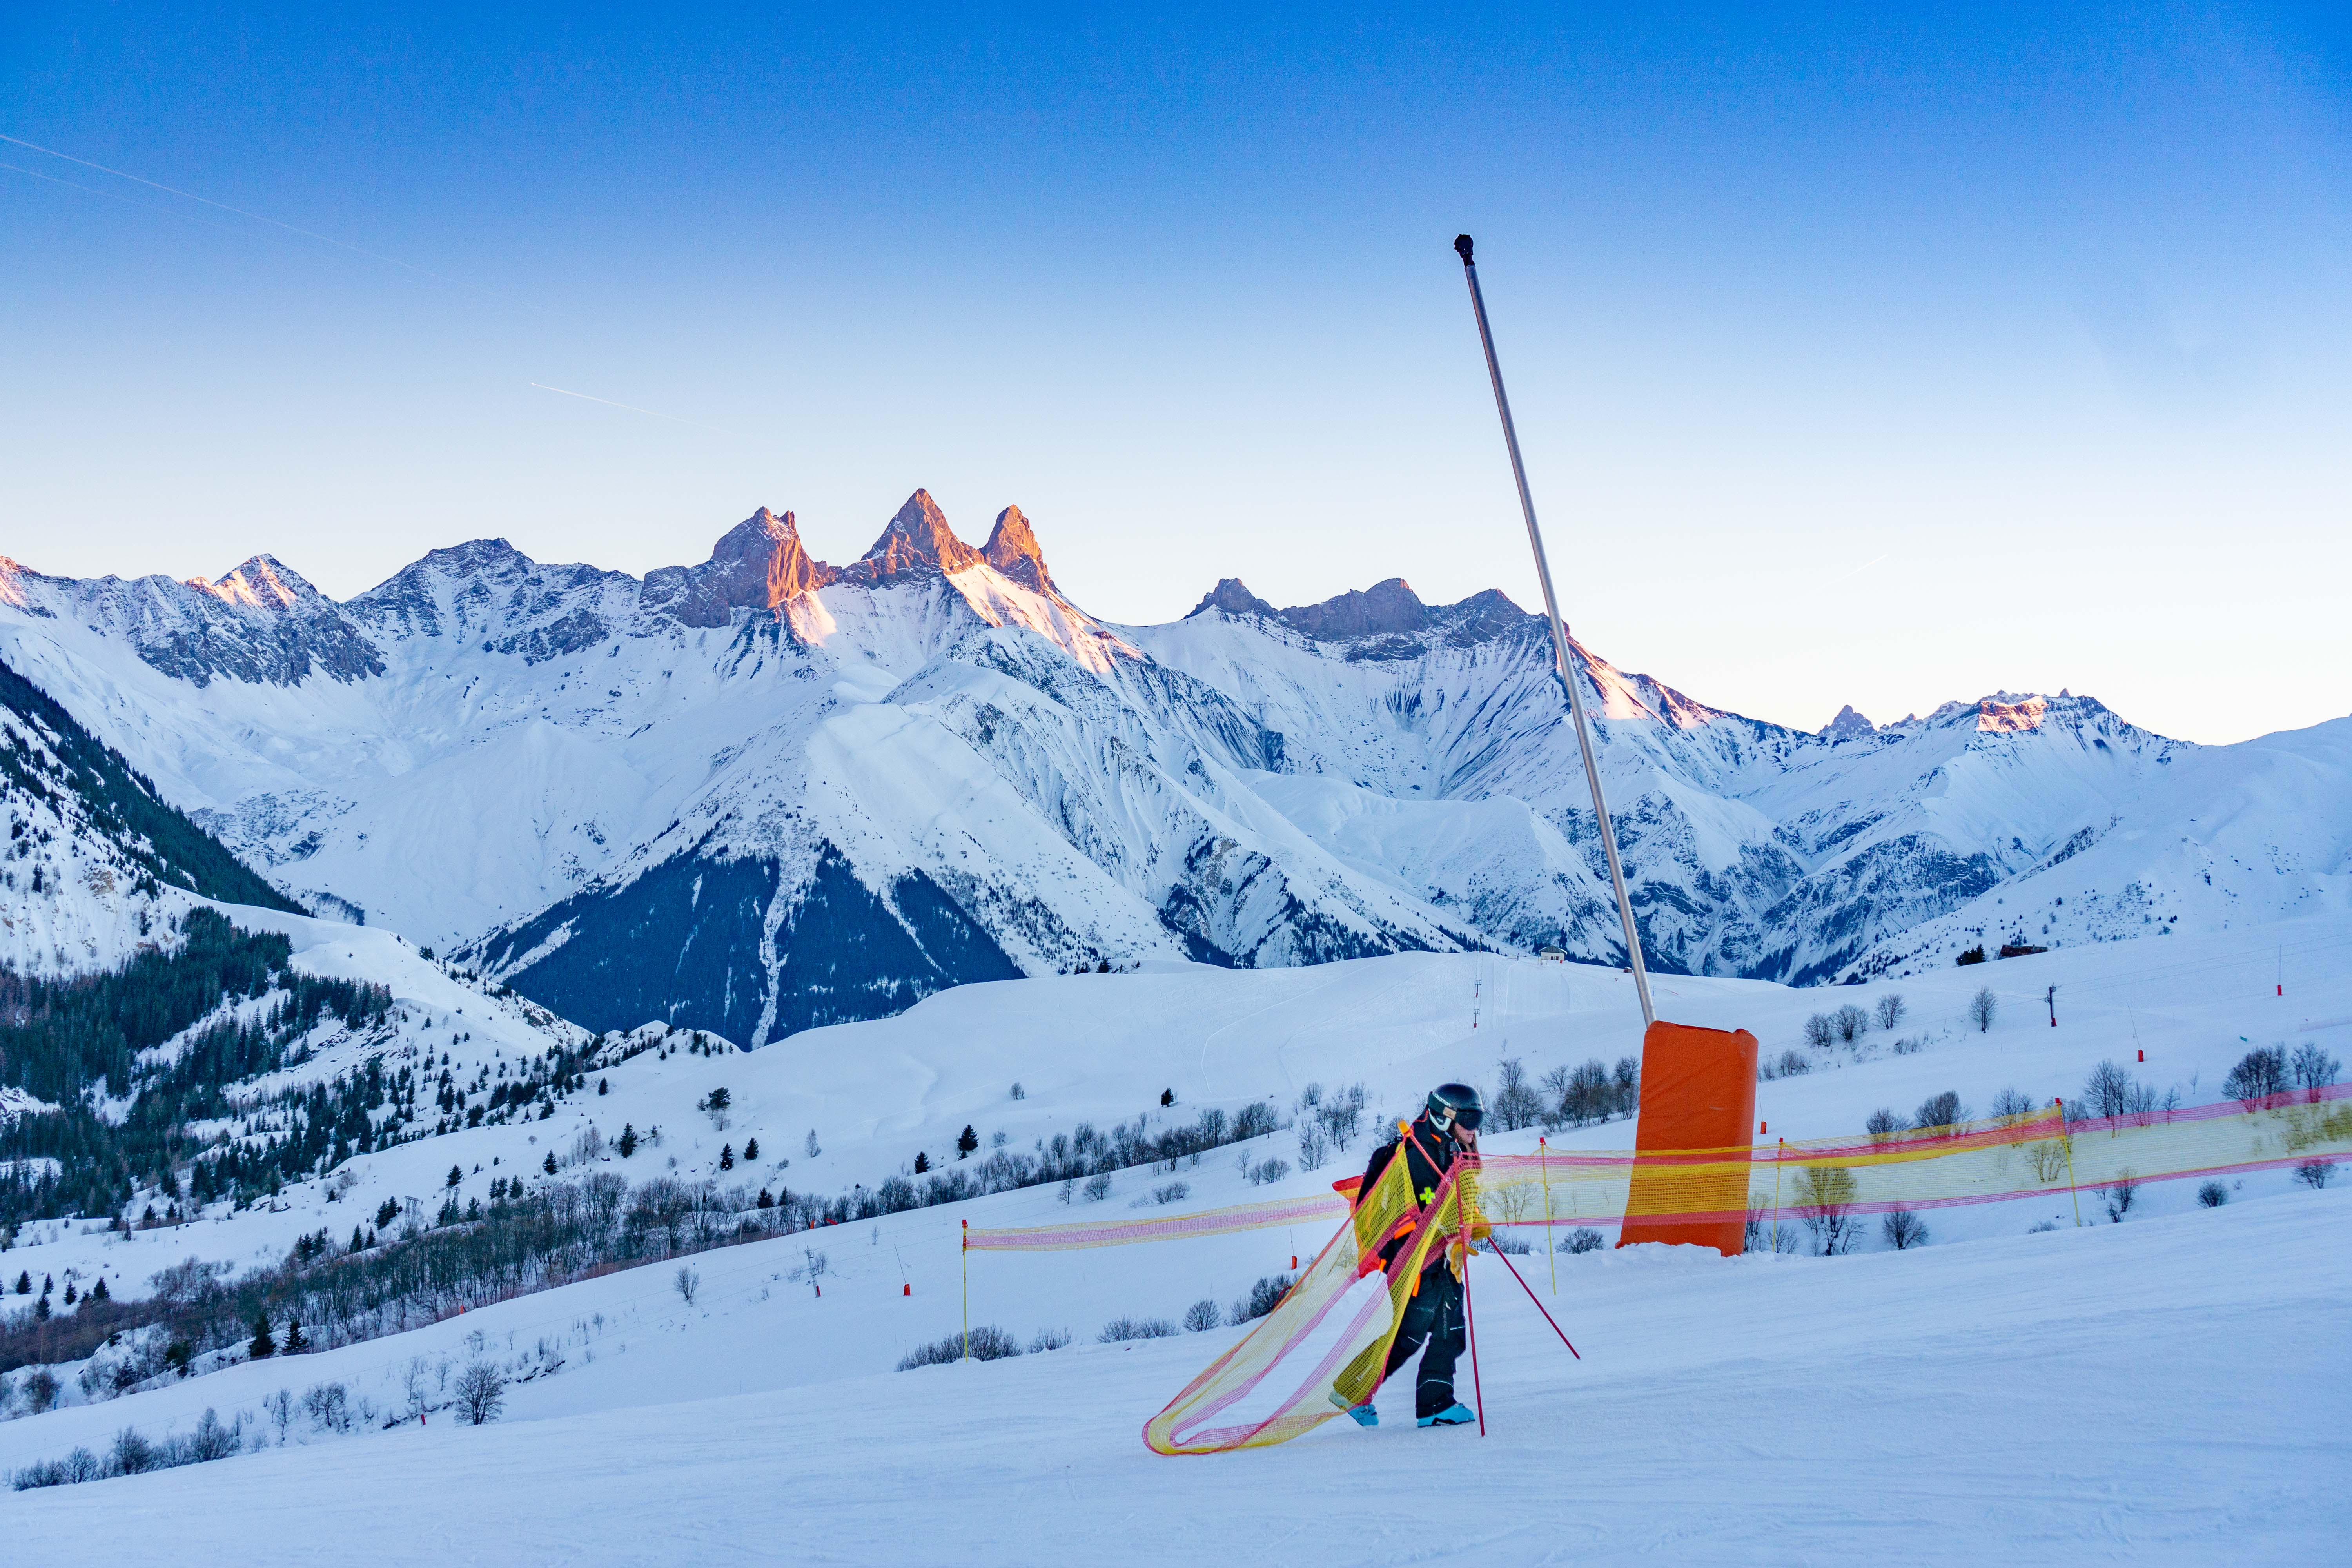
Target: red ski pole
{"points": [[1470, 1323], [1531, 1296]]}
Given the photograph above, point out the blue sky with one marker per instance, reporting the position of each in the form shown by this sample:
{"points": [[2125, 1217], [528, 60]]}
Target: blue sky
{"points": [[1858, 358]]}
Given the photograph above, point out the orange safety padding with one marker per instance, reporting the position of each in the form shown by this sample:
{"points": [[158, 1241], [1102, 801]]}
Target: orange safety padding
{"points": [[1698, 1092]]}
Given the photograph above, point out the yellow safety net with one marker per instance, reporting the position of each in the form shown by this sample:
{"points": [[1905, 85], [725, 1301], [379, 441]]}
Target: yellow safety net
{"points": [[1322, 1348], [1325, 1346]]}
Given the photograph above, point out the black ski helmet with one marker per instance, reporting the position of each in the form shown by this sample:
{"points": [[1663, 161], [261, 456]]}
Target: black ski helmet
{"points": [[1453, 1102]]}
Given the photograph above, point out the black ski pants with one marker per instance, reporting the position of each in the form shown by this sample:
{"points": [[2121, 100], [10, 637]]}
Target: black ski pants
{"points": [[1433, 1315]]}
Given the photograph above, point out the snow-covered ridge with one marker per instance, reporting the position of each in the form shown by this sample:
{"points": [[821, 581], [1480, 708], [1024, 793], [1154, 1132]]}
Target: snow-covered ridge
{"points": [[765, 791]]}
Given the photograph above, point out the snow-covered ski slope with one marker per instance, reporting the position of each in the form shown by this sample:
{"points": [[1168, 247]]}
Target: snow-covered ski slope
{"points": [[2166, 1392], [763, 793], [2155, 1391]]}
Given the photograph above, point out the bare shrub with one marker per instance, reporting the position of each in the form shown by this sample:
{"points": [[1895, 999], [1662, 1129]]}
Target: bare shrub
{"points": [[1940, 1115], [2313, 1069], [2259, 1073], [481, 1392], [1851, 1022], [1982, 1009], [2212, 1195], [1825, 1196], [1118, 1330], [2120, 1194], [2010, 1107], [1891, 1008], [1793, 1064], [1882, 1125], [986, 1343], [1516, 1104], [328, 1406], [1203, 1315], [1174, 1193], [1903, 1229], [1048, 1339], [1583, 1238], [1098, 1186], [2046, 1157], [689, 1281], [131, 1454], [1263, 1297], [1820, 1031], [1314, 1146], [2315, 1173], [1266, 1172]]}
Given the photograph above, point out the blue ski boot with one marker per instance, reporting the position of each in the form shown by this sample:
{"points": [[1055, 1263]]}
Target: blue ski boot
{"points": [[1454, 1414], [1361, 1414]]}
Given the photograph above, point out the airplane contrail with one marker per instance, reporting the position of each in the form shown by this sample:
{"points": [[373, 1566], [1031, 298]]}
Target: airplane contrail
{"points": [[223, 207], [633, 408]]}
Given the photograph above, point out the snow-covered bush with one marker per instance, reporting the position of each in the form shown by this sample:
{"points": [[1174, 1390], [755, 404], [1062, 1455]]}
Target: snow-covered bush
{"points": [[986, 1342], [1903, 1229], [1120, 1329], [481, 1392], [1263, 1297]]}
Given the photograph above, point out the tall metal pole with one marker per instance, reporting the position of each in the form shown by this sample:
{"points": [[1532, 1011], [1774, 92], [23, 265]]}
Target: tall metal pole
{"points": [[1561, 665]]}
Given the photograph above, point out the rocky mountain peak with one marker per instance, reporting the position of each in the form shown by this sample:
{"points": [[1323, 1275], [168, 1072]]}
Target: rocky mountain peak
{"points": [[916, 539], [262, 582], [1232, 598], [1012, 548], [1848, 725], [1384, 607]]}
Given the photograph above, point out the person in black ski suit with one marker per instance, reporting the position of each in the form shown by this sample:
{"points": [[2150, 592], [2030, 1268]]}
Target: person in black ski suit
{"points": [[1447, 1125]]}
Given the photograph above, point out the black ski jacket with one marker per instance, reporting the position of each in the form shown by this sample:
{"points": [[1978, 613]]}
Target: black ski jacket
{"points": [[1429, 1154]]}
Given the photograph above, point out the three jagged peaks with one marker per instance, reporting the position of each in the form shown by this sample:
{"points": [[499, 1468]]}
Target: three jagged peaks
{"points": [[761, 562]]}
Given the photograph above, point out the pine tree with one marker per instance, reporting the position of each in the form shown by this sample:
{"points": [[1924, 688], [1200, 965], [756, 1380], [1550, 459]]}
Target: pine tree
{"points": [[263, 1346], [69, 1293], [548, 1164], [41, 1311], [1167, 1096], [966, 1141], [455, 1176], [25, 1283], [628, 1143], [604, 1085], [295, 1344], [727, 1156], [922, 1161], [99, 1291], [767, 1200], [359, 1239], [750, 1150]]}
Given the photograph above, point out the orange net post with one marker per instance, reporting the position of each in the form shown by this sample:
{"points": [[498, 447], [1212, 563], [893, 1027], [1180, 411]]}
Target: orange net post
{"points": [[1691, 1146]]}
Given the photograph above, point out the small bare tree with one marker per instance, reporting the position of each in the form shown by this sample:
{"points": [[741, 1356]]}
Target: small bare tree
{"points": [[1820, 1030], [1314, 1146], [2120, 1194], [481, 1392], [1203, 1315], [1940, 1115], [2313, 1069], [1825, 1196], [1851, 1022], [2314, 1174], [1981, 1009], [1516, 1104], [2260, 1074], [1882, 1125], [688, 1281], [1903, 1229], [1891, 1008]]}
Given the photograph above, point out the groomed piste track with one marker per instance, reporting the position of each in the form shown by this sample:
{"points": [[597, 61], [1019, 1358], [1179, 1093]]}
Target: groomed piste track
{"points": [[1278, 1382]]}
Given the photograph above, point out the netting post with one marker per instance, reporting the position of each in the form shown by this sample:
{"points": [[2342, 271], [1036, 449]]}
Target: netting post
{"points": [[1469, 1319], [1543, 1163], [2066, 1141], [1779, 1150], [967, 1290]]}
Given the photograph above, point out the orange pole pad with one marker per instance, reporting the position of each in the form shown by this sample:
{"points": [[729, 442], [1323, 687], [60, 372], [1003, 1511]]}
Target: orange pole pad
{"points": [[1699, 1091]]}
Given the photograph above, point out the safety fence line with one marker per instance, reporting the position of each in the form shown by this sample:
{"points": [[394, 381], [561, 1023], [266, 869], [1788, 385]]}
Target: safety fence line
{"points": [[1999, 1160]]}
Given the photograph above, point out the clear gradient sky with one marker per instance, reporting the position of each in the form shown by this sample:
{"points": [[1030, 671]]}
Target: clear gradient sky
{"points": [[1866, 355]]}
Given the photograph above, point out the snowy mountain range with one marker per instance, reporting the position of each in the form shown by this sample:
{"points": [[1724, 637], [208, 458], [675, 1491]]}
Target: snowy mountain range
{"points": [[763, 793]]}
